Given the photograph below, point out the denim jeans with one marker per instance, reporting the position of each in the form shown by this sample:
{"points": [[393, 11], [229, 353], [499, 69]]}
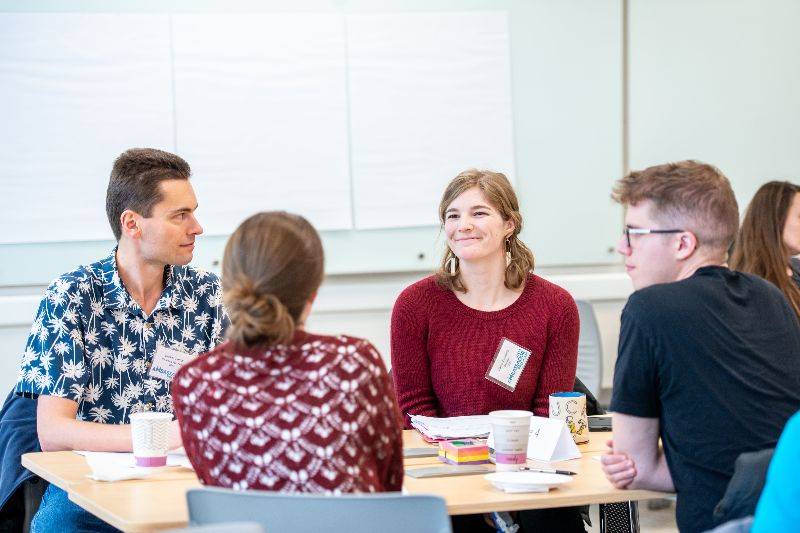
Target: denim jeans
{"points": [[57, 513]]}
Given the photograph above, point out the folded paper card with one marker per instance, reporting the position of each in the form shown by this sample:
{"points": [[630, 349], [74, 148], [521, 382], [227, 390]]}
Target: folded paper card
{"points": [[549, 440]]}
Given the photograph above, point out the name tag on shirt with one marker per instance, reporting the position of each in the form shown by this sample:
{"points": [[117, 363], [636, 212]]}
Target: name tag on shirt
{"points": [[167, 361], [508, 364]]}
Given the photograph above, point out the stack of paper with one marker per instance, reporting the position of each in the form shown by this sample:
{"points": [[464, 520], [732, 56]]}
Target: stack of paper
{"points": [[457, 427]]}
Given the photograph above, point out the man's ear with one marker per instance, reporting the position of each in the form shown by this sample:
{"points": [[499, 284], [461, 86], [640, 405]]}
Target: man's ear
{"points": [[129, 222], [686, 245]]}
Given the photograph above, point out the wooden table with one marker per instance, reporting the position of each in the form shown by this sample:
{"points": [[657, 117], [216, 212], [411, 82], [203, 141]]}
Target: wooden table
{"points": [[597, 442], [137, 505], [159, 502]]}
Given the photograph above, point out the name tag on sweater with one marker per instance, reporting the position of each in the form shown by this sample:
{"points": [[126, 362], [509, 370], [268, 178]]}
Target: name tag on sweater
{"points": [[166, 362], [508, 364]]}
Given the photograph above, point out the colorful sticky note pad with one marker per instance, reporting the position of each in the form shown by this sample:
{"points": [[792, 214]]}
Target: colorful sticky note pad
{"points": [[463, 452]]}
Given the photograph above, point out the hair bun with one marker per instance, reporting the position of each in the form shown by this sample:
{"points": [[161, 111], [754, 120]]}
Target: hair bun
{"points": [[256, 317]]}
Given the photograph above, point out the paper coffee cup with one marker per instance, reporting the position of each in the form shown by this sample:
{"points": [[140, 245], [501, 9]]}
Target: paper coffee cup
{"points": [[150, 433], [571, 408], [510, 430]]}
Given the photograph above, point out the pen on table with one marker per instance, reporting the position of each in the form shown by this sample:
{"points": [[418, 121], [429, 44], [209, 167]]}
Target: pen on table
{"points": [[542, 471]]}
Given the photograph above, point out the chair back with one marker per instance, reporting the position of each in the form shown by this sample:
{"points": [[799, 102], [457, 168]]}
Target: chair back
{"points": [[353, 513], [590, 348], [226, 527]]}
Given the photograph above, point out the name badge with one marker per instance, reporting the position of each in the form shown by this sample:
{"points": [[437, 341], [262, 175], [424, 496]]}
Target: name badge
{"points": [[167, 361], [508, 364]]}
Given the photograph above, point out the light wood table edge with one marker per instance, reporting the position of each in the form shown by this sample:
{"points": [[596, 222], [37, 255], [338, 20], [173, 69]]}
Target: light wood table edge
{"points": [[76, 495], [549, 503], [60, 482], [120, 524]]}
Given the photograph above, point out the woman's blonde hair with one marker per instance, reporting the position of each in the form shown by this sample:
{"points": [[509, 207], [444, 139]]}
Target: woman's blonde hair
{"points": [[500, 194], [273, 265]]}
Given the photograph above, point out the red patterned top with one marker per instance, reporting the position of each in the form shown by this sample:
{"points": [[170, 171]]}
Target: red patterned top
{"points": [[441, 349], [316, 415]]}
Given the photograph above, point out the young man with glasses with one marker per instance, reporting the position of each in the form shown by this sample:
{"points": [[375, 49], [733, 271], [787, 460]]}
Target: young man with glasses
{"points": [[708, 357]]}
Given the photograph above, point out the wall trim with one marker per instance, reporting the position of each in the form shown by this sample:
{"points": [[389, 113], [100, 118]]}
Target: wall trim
{"points": [[363, 294]]}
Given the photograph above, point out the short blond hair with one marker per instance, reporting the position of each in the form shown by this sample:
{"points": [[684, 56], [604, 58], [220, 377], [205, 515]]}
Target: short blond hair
{"points": [[693, 195], [500, 194]]}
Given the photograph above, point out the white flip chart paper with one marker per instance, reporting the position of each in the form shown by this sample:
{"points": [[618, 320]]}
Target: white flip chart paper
{"points": [[430, 96], [262, 115], [76, 90]]}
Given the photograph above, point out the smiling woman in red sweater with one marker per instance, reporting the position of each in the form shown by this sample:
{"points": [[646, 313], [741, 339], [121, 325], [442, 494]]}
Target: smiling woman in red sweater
{"points": [[277, 408], [447, 328]]}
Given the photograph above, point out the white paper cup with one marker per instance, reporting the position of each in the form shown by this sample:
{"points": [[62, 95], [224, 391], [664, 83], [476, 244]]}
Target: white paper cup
{"points": [[571, 408], [150, 432], [510, 430]]}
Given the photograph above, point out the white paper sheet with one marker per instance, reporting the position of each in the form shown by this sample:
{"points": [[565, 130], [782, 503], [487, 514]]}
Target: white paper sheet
{"points": [[430, 96], [118, 466], [262, 115], [75, 91], [456, 427]]}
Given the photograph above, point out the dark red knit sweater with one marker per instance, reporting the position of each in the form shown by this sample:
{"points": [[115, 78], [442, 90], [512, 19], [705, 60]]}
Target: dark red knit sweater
{"points": [[315, 415], [441, 349]]}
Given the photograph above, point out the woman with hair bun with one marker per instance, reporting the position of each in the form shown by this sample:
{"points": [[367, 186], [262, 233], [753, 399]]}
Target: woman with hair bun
{"points": [[278, 408], [456, 334]]}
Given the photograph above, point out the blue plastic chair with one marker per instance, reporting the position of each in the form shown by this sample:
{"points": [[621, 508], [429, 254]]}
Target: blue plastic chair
{"points": [[226, 527], [299, 513]]}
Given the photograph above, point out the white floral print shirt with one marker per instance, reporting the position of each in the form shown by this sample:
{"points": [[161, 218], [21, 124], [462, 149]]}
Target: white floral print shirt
{"points": [[92, 343]]}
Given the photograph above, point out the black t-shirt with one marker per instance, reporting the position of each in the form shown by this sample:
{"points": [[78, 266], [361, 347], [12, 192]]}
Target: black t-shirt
{"points": [[794, 263], [716, 357]]}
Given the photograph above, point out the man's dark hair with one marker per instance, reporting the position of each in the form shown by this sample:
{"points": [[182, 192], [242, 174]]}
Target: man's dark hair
{"points": [[134, 182]]}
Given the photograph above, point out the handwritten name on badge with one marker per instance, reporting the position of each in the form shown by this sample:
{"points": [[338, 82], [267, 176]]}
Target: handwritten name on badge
{"points": [[167, 361], [508, 364]]}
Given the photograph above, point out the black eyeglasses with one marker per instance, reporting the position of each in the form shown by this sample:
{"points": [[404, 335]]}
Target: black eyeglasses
{"points": [[645, 231]]}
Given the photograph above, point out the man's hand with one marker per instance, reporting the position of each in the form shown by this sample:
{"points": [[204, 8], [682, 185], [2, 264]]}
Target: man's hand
{"points": [[618, 467]]}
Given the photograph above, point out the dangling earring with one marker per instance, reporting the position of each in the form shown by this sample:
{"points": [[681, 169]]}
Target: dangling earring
{"points": [[451, 264], [508, 253]]}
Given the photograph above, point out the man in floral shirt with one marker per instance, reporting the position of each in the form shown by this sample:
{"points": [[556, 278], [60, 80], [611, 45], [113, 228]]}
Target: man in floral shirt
{"points": [[109, 336]]}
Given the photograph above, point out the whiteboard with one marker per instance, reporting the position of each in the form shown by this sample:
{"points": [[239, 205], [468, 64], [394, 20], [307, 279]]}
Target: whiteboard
{"points": [[76, 90], [566, 90], [261, 113], [724, 90], [430, 96]]}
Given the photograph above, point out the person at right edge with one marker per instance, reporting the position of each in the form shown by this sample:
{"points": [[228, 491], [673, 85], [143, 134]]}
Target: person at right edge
{"points": [[708, 357], [769, 239]]}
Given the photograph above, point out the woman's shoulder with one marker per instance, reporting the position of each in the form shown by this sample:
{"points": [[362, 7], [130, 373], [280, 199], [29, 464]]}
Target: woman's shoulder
{"points": [[337, 348], [547, 288], [201, 365], [421, 288], [325, 341], [546, 293], [341, 343], [420, 293]]}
